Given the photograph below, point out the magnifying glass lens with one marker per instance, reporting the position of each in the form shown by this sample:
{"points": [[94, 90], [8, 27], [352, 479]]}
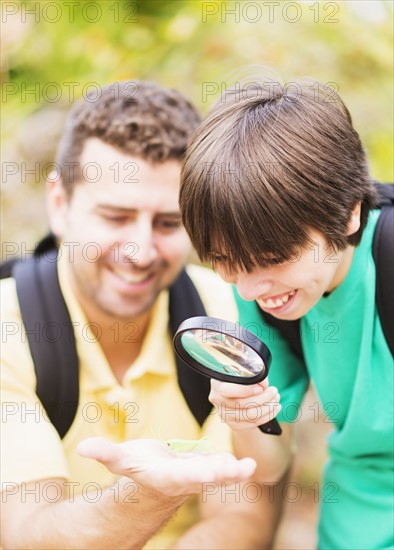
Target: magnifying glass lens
{"points": [[222, 353]]}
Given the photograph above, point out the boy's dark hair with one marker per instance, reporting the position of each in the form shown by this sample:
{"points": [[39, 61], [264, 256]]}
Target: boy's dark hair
{"points": [[139, 118], [268, 164]]}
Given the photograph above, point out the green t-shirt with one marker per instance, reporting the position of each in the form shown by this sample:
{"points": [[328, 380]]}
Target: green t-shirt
{"points": [[351, 367]]}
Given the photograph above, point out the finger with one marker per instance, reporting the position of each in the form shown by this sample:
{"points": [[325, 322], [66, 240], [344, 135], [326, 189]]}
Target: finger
{"points": [[264, 383], [247, 467], [222, 467], [237, 470], [236, 403], [99, 449], [269, 395], [234, 391], [247, 413]]}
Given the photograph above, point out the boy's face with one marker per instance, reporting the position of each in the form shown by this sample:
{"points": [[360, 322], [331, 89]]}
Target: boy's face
{"points": [[125, 220], [289, 290]]}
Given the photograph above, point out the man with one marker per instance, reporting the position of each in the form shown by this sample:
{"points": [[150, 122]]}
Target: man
{"points": [[113, 207], [287, 172]]}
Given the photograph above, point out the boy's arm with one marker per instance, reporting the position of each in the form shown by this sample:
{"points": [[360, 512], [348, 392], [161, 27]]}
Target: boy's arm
{"points": [[245, 515], [244, 408], [272, 453]]}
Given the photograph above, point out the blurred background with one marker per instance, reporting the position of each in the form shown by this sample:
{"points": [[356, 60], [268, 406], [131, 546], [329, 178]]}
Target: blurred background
{"points": [[55, 52]]}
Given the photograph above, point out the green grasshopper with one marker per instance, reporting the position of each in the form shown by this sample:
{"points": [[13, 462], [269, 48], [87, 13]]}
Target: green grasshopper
{"points": [[202, 445]]}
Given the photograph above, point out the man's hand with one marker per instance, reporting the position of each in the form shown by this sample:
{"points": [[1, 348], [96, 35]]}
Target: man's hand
{"points": [[152, 464], [244, 407]]}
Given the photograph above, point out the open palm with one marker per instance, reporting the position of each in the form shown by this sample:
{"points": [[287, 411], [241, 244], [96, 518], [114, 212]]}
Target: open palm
{"points": [[153, 465]]}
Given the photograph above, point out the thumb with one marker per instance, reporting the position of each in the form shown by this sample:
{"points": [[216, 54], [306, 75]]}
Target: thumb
{"points": [[264, 383], [99, 449], [247, 467]]}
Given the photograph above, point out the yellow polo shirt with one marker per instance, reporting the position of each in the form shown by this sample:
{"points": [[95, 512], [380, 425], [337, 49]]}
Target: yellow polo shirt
{"points": [[148, 403]]}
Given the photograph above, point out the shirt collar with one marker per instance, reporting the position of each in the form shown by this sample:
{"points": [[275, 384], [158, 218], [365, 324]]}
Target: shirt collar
{"points": [[156, 354]]}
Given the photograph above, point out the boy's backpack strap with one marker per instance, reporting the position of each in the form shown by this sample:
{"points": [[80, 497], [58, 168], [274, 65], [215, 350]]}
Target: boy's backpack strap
{"points": [[383, 254], [50, 336], [386, 194], [185, 302], [290, 330]]}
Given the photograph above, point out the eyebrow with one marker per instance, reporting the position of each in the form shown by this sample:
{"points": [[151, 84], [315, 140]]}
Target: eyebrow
{"points": [[123, 209]]}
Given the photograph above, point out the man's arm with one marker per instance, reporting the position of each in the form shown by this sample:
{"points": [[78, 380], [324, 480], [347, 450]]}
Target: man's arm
{"points": [[154, 482], [125, 516]]}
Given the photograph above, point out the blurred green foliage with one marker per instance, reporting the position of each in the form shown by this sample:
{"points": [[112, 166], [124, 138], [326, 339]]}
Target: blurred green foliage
{"points": [[198, 47]]}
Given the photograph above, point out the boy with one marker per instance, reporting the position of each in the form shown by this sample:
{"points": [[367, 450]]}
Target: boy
{"points": [[282, 179]]}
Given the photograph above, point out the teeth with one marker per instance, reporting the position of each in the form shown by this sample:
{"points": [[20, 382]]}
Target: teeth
{"points": [[270, 303], [129, 277]]}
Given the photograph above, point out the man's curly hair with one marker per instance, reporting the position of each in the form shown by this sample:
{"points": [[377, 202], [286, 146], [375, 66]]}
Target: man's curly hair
{"points": [[139, 118]]}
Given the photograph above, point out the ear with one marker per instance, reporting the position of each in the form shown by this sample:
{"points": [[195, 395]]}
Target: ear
{"points": [[57, 205], [354, 222]]}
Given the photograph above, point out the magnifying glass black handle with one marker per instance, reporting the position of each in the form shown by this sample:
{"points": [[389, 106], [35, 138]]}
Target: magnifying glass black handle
{"points": [[272, 427]]}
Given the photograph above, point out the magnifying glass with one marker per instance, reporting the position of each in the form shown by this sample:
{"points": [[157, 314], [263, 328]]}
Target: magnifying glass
{"points": [[225, 351]]}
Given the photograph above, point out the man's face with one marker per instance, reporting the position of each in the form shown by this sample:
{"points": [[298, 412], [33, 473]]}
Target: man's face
{"points": [[289, 290], [131, 243]]}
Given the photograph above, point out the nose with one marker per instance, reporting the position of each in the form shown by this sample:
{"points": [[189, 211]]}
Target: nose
{"points": [[252, 285], [141, 248]]}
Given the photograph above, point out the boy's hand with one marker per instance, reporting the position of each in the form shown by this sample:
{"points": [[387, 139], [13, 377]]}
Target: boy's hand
{"points": [[245, 407], [152, 464]]}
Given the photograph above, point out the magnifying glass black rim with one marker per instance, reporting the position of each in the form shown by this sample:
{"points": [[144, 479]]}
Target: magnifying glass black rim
{"points": [[200, 323]]}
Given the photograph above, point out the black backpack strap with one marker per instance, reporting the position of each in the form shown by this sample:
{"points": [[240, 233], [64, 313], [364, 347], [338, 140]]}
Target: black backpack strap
{"points": [[7, 267], [289, 330], [386, 193], [383, 254], [185, 302], [46, 244], [50, 336]]}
